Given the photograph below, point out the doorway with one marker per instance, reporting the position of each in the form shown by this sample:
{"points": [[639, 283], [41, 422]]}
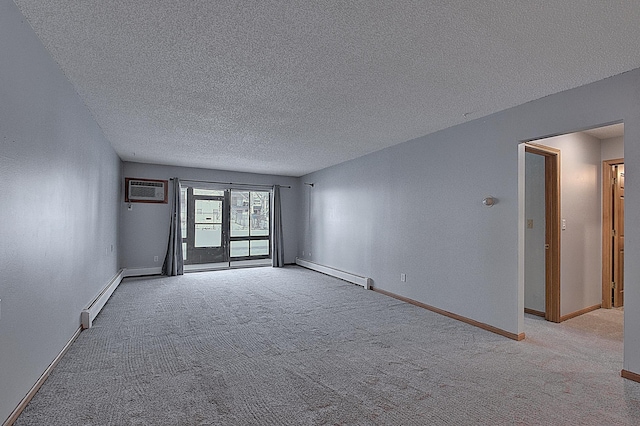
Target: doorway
{"points": [[225, 227], [613, 233], [585, 283], [549, 183], [207, 227]]}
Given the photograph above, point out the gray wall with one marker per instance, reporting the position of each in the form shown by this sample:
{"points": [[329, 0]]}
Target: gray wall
{"points": [[581, 209], [415, 208], [58, 210], [145, 229], [534, 274], [612, 148]]}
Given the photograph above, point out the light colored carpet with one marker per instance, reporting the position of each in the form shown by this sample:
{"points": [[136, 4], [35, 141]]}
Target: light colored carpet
{"points": [[293, 347]]}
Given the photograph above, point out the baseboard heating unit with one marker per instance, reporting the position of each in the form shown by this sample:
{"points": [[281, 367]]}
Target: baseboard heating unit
{"points": [[142, 272], [90, 313], [347, 276]]}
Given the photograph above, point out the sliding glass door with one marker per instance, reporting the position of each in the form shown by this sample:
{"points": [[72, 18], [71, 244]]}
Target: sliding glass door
{"points": [[225, 225], [249, 236]]}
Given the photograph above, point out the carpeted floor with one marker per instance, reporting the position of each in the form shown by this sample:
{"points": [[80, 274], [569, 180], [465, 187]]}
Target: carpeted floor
{"points": [[293, 347]]}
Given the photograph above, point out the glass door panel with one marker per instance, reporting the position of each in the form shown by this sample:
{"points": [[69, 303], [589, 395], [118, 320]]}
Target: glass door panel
{"points": [[208, 235], [208, 211], [207, 227]]}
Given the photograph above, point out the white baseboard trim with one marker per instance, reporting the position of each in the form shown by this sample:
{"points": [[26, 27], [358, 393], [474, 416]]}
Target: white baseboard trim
{"points": [[91, 312], [347, 276], [34, 389], [139, 272]]}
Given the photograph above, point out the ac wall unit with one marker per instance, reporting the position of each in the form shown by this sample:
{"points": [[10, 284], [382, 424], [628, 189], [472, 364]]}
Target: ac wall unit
{"points": [[145, 190]]}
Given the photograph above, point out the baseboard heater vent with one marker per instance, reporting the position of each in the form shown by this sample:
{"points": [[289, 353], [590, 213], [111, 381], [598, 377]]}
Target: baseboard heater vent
{"points": [[89, 314], [347, 276], [142, 272]]}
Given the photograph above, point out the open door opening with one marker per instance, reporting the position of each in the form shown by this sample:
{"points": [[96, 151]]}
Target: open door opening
{"points": [[591, 222], [613, 233]]}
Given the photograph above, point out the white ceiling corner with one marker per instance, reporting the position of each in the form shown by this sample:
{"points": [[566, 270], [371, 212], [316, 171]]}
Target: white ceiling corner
{"points": [[607, 132], [290, 87]]}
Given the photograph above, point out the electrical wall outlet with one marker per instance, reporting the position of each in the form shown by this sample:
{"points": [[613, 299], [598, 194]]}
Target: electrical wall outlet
{"points": [[155, 258], [403, 278]]}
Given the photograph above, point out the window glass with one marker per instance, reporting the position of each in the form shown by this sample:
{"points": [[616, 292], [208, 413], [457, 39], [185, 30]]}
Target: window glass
{"points": [[210, 192], [239, 248], [239, 213], [259, 247], [183, 211], [259, 213]]}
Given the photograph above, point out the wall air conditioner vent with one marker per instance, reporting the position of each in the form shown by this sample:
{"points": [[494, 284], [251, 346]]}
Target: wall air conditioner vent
{"points": [[145, 191]]}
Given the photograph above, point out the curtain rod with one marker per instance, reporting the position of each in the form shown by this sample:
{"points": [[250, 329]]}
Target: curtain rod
{"points": [[231, 183]]}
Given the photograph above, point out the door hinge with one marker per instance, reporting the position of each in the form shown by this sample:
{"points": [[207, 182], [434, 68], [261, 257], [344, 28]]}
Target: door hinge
{"points": [[613, 232], [613, 285]]}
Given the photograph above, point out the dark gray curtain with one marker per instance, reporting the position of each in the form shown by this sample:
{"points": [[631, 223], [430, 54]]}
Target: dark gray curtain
{"points": [[173, 263], [278, 245]]}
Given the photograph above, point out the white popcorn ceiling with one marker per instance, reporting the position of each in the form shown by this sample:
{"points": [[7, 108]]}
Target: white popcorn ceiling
{"points": [[290, 87]]}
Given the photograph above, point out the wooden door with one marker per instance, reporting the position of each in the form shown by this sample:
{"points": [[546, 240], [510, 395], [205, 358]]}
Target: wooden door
{"points": [[552, 228], [618, 236], [613, 233]]}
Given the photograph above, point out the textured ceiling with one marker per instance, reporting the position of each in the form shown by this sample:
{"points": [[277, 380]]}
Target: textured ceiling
{"points": [[290, 87]]}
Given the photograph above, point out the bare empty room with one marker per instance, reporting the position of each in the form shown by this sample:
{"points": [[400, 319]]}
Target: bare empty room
{"points": [[296, 212]]}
